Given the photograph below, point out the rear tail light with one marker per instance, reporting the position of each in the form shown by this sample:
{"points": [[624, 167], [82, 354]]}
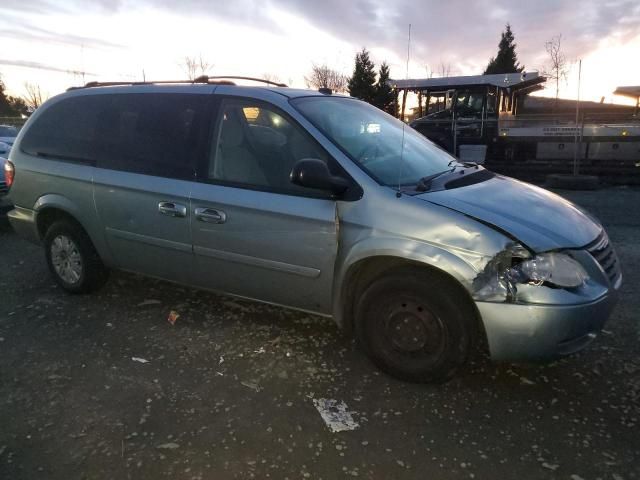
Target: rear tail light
{"points": [[9, 173]]}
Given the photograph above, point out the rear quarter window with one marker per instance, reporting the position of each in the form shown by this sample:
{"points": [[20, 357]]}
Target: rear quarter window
{"points": [[153, 134], [64, 130]]}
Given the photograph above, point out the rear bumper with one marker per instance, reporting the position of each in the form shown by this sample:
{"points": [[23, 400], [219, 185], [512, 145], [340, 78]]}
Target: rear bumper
{"points": [[5, 204], [518, 332], [23, 222]]}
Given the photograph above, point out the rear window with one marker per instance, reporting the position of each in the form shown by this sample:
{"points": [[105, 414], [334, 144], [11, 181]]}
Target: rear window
{"points": [[153, 134]]}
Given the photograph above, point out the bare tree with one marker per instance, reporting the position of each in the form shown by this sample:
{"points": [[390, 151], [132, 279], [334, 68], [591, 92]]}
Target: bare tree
{"points": [[196, 67], [34, 96], [271, 77], [444, 69], [558, 63], [322, 76], [429, 71]]}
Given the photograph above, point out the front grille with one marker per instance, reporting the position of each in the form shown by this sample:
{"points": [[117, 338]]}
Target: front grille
{"points": [[3, 189], [604, 254]]}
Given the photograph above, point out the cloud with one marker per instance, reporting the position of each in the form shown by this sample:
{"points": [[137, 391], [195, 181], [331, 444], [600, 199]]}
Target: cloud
{"points": [[39, 66], [457, 32]]}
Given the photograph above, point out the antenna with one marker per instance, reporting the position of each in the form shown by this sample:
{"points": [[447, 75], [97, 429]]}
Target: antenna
{"points": [[408, 52], [575, 145], [404, 125]]}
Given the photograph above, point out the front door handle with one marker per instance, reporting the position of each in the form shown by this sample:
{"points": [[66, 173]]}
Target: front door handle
{"points": [[210, 215], [172, 209]]}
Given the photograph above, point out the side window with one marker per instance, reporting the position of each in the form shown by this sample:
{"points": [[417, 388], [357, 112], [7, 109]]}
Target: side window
{"points": [[256, 145], [153, 134], [469, 104], [64, 130]]}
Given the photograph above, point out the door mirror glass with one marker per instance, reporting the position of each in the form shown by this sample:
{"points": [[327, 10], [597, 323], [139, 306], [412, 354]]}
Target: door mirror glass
{"points": [[314, 173]]}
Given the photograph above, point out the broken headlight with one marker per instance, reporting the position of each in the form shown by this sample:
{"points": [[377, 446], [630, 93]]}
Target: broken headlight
{"points": [[556, 268], [516, 266]]}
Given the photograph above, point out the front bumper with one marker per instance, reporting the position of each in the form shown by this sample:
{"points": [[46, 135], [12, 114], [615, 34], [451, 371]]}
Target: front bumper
{"points": [[23, 222], [529, 332]]}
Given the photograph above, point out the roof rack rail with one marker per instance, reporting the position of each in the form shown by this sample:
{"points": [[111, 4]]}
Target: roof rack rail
{"points": [[215, 80], [206, 78], [156, 82]]}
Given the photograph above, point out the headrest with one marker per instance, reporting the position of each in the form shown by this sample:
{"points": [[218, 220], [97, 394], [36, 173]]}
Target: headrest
{"points": [[232, 132]]}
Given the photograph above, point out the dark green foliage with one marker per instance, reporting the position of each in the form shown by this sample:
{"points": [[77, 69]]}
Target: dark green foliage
{"points": [[362, 83], [506, 61], [10, 106], [384, 96]]}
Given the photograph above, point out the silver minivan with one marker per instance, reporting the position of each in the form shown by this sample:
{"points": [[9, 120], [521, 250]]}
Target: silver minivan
{"points": [[312, 201]]}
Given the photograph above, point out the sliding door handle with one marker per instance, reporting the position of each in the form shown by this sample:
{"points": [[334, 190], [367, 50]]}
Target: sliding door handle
{"points": [[210, 215], [172, 209]]}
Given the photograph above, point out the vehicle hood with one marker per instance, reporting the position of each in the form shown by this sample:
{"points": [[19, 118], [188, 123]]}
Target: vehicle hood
{"points": [[539, 219]]}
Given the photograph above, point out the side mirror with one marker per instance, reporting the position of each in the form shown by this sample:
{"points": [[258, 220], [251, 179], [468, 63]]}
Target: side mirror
{"points": [[314, 173]]}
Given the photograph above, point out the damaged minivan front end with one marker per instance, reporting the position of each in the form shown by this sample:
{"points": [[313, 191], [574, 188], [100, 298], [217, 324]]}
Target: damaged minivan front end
{"points": [[550, 290]]}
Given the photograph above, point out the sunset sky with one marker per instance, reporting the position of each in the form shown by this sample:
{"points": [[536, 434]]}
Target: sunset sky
{"points": [[45, 42]]}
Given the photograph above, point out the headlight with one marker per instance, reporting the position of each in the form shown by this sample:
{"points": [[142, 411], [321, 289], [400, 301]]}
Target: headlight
{"points": [[516, 266], [557, 268]]}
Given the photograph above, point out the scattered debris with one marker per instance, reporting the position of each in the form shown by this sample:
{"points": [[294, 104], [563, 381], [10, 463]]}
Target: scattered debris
{"points": [[149, 302], [168, 446], [550, 466], [526, 381], [140, 359], [173, 317], [260, 350], [335, 414], [221, 361], [253, 386]]}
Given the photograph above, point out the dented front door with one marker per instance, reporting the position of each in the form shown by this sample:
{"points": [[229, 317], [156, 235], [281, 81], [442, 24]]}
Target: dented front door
{"points": [[267, 246]]}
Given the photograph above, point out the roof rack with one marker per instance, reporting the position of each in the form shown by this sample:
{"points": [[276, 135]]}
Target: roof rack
{"points": [[206, 79], [215, 80]]}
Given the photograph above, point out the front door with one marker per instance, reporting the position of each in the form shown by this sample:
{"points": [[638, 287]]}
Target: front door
{"points": [[254, 233]]}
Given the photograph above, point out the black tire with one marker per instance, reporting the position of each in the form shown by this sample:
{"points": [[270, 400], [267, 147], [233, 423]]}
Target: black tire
{"points": [[92, 273], [415, 326]]}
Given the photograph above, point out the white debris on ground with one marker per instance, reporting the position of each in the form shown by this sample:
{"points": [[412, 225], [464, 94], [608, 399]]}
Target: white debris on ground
{"points": [[335, 414], [140, 359]]}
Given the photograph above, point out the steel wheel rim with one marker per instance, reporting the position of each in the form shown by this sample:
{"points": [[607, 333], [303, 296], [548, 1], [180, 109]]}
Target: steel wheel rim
{"points": [[66, 259], [422, 338]]}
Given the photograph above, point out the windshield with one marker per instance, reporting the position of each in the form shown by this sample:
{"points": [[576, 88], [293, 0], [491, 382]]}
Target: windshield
{"points": [[374, 139], [8, 131]]}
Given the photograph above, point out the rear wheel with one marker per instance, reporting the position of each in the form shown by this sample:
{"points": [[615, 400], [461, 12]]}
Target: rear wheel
{"points": [[415, 325], [72, 258]]}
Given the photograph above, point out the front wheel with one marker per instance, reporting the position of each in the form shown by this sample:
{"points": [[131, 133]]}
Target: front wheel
{"points": [[72, 258], [415, 326]]}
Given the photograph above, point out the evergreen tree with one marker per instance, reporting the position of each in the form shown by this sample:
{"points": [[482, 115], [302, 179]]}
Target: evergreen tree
{"points": [[10, 106], [6, 108], [506, 61], [362, 82], [384, 97]]}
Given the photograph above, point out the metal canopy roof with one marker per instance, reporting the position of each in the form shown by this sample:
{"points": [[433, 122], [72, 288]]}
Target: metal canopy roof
{"points": [[630, 91], [515, 81]]}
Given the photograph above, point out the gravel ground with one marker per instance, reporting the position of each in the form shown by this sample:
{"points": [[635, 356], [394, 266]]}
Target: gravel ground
{"points": [[228, 391]]}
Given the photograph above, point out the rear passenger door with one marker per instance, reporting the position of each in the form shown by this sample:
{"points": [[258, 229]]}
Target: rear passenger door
{"points": [[255, 234], [147, 148]]}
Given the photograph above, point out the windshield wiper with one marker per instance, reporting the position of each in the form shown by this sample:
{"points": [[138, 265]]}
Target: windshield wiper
{"points": [[424, 183], [457, 162]]}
